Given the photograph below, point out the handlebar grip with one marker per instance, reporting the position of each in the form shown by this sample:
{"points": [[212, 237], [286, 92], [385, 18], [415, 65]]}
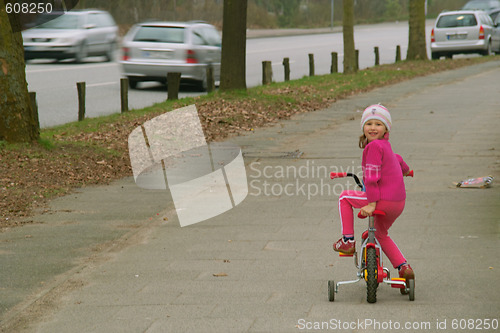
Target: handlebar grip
{"points": [[375, 212], [338, 175], [410, 174]]}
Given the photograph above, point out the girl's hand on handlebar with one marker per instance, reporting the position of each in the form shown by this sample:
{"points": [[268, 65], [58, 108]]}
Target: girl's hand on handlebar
{"points": [[368, 209], [409, 173]]}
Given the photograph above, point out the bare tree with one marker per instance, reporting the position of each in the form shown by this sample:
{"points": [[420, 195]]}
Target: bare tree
{"points": [[18, 122], [348, 32], [234, 40], [416, 37]]}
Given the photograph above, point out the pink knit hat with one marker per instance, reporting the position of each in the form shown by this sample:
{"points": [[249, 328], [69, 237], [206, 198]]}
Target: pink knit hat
{"points": [[378, 112]]}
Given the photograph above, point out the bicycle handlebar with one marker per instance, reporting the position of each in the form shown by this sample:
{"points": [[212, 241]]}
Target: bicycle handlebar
{"points": [[334, 175]]}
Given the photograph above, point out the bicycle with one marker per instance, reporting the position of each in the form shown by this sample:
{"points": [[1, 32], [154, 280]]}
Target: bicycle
{"points": [[369, 264]]}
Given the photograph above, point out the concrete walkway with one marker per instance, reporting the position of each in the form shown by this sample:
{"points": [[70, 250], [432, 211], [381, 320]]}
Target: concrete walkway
{"points": [[264, 265]]}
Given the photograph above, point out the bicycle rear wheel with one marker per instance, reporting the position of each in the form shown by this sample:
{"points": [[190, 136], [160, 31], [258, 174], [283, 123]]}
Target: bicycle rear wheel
{"points": [[371, 275]]}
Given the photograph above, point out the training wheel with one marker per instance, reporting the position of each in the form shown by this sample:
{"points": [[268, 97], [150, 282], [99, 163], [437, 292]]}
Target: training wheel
{"points": [[331, 290], [411, 287]]}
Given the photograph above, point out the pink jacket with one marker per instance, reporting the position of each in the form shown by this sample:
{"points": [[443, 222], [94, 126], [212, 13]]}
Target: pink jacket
{"points": [[383, 172]]}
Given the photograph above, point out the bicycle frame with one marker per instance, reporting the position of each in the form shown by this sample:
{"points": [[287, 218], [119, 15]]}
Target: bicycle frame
{"points": [[383, 273]]}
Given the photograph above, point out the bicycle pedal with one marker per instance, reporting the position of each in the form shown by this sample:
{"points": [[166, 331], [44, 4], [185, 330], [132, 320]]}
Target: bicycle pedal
{"points": [[341, 254], [400, 286]]}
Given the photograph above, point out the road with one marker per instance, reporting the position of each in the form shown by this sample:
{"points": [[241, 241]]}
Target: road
{"points": [[55, 83]]}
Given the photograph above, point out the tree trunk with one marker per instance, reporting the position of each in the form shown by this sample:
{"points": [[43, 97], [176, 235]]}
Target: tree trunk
{"points": [[416, 38], [234, 45], [348, 32], [18, 123]]}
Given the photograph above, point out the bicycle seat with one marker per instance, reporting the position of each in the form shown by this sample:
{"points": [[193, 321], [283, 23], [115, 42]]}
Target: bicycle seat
{"points": [[375, 212]]}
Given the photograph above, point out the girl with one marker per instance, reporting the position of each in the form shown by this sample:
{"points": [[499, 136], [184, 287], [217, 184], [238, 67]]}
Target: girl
{"points": [[385, 190]]}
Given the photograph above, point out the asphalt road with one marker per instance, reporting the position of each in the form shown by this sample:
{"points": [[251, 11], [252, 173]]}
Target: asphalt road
{"points": [[114, 258], [55, 83]]}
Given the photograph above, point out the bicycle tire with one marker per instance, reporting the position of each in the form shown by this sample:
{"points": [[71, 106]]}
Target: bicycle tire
{"points": [[331, 290], [371, 275], [411, 286]]}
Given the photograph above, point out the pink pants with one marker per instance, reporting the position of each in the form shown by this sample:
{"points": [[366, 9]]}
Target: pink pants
{"points": [[357, 199]]}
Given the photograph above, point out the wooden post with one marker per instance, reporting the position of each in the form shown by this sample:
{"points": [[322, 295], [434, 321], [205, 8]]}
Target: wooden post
{"points": [[398, 53], [334, 68], [173, 84], [357, 59], [286, 65], [124, 94], [210, 79], [267, 72], [311, 64], [377, 56], [81, 100]]}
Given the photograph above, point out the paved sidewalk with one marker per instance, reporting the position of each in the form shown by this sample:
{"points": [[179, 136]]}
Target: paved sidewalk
{"points": [[264, 265]]}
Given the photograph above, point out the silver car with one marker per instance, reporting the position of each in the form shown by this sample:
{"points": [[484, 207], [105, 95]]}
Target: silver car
{"points": [[463, 31], [154, 49], [75, 34]]}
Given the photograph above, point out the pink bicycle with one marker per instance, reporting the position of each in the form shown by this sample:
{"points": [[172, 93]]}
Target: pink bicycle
{"points": [[369, 264]]}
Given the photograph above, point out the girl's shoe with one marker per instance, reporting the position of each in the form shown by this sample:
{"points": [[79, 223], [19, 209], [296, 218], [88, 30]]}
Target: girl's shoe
{"points": [[348, 247], [406, 272]]}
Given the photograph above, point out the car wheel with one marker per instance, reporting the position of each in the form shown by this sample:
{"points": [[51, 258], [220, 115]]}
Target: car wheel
{"points": [[82, 53], [488, 50], [435, 56], [110, 53]]}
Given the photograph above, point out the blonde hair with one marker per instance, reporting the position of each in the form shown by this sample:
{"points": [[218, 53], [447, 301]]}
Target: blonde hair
{"points": [[363, 141]]}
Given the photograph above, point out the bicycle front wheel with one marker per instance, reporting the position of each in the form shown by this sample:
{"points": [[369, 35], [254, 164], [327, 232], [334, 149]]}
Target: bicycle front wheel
{"points": [[371, 275]]}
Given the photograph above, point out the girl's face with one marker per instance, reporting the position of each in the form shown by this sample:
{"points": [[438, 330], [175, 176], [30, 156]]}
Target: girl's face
{"points": [[374, 130]]}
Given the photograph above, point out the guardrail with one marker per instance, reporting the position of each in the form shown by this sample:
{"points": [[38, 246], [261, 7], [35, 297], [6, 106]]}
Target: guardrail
{"points": [[267, 71]]}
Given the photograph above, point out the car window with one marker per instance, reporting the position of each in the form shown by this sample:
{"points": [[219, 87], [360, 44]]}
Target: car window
{"points": [[62, 22], [212, 36], [159, 34], [456, 20], [93, 19], [494, 15], [106, 20], [198, 37], [487, 20]]}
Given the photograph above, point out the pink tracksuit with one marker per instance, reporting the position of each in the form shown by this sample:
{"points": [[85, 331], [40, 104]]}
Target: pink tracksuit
{"points": [[383, 178]]}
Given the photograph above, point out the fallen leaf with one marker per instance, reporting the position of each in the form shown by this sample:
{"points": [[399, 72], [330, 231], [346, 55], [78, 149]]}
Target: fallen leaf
{"points": [[220, 274]]}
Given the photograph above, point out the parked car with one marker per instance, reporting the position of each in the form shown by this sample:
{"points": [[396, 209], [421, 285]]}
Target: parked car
{"points": [[486, 5], [464, 31], [75, 34], [495, 38], [151, 50]]}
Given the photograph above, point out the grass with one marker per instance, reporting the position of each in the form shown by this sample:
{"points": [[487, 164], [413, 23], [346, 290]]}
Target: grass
{"points": [[95, 151]]}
